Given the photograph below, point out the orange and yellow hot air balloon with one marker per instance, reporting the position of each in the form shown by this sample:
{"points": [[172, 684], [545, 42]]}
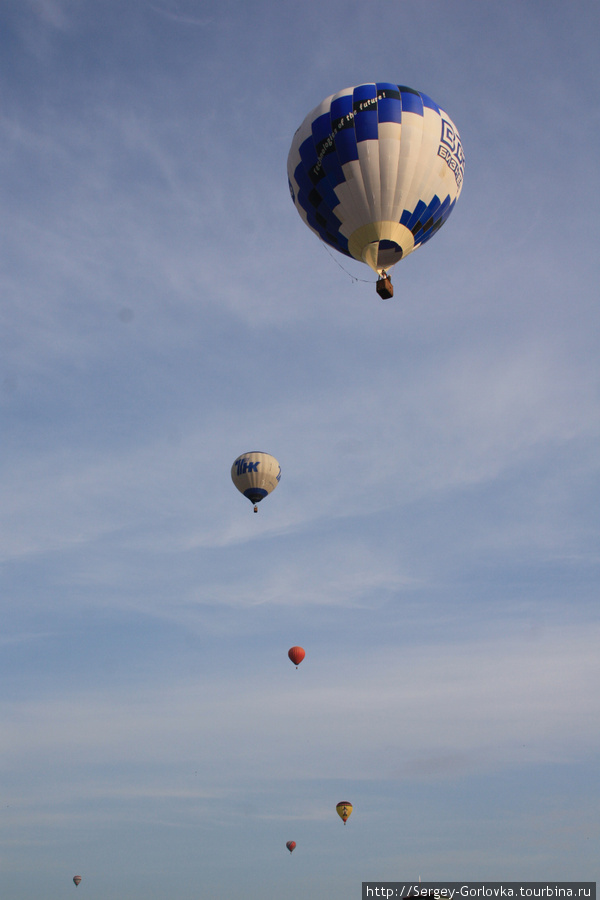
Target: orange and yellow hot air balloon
{"points": [[344, 809]]}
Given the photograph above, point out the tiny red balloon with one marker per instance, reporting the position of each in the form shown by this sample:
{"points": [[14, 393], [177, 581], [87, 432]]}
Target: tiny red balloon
{"points": [[291, 845], [296, 654]]}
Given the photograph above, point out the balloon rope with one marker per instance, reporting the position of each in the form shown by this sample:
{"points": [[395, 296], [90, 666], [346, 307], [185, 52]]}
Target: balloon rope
{"points": [[337, 262]]}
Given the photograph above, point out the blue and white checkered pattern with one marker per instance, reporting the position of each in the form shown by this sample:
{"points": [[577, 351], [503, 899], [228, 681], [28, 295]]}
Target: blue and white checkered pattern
{"points": [[379, 155]]}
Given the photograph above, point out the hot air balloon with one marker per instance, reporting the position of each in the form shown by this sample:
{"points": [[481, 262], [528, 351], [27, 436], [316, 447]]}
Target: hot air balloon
{"points": [[256, 474], [77, 880], [344, 811], [296, 654], [375, 171], [291, 845]]}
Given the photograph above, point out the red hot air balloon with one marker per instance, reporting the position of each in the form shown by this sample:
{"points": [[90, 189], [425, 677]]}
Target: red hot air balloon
{"points": [[77, 880], [291, 845], [296, 654]]}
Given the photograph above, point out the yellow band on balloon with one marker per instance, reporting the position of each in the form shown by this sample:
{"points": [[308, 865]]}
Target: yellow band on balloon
{"points": [[362, 243]]}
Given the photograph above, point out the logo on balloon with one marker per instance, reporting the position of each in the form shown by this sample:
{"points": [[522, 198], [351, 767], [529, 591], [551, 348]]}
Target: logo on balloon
{"points": [[245, 465], [451, 151]]}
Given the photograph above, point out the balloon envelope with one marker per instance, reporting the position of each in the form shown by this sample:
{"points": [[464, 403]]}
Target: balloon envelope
{"points": [[256, 474], [375, 171], [77, 880], [344, 809], [291, 845], [296, 654]]}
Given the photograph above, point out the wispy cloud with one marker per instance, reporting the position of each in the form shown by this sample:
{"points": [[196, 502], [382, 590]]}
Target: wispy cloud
{"points": [[483, 705], [186, 13]]}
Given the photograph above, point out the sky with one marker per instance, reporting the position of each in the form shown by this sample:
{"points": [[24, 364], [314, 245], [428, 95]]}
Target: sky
{"points": [[433, 542]]}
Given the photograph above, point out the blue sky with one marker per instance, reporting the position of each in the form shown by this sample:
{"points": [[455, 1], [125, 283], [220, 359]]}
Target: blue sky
{"points": [[433, 543]]}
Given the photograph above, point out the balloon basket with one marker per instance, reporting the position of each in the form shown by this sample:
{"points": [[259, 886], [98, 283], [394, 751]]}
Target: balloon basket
{"points": [[384, 287]]}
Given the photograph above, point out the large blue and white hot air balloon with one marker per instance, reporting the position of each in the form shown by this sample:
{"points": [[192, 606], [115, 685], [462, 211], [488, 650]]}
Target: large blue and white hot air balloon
{"points": [[255, 475], [375, 171]]}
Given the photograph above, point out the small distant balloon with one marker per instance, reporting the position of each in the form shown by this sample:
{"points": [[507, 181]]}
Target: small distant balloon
{"points": [[77, 880], [296, 654], [255, 475], [291, 845], [344, 810]]}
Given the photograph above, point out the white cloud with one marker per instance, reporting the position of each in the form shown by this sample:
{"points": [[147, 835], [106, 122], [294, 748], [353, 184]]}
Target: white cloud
{"points": [[430, 711]]}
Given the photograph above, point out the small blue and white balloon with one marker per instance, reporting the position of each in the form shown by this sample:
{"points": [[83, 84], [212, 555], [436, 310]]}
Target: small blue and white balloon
{"points": [[255, 475]]}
